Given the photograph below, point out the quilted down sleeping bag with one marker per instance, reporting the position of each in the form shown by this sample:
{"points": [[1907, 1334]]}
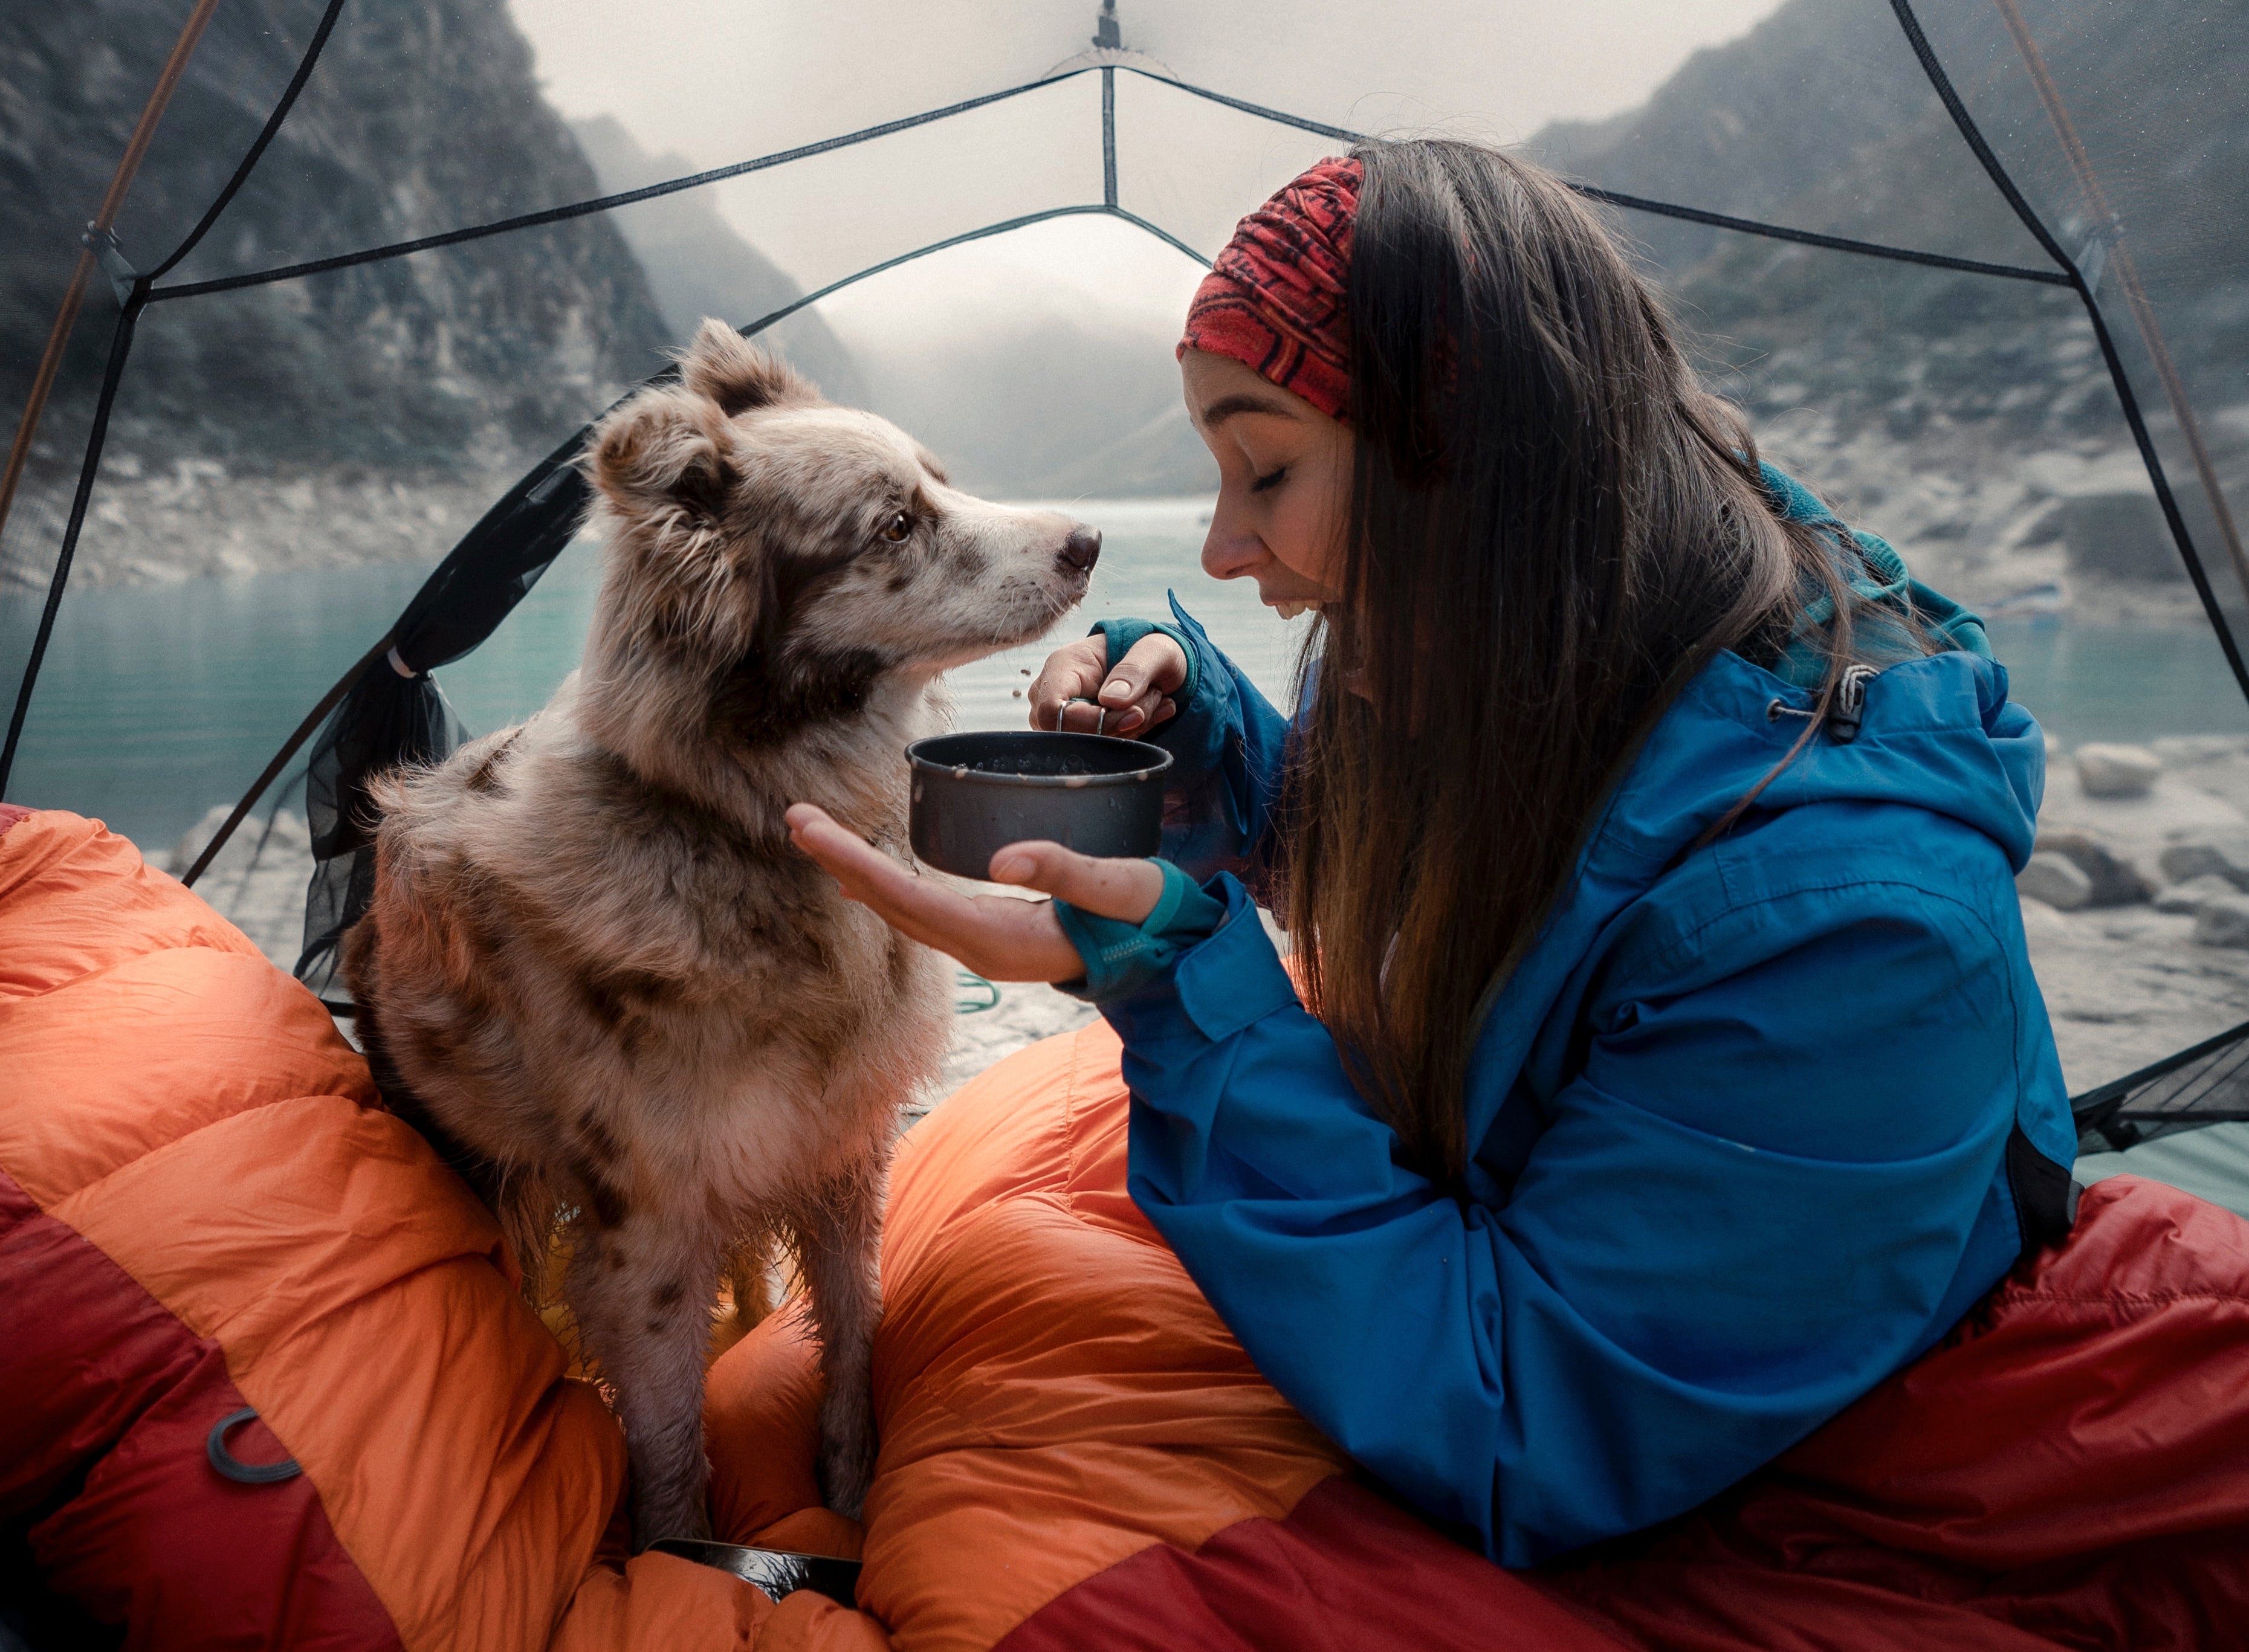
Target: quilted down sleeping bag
{"points": [[204, 1211]]}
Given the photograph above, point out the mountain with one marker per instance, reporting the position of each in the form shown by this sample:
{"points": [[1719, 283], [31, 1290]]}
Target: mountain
{"points": [[698, 266], [1970, 420], [424, 115], [1819, 118]]}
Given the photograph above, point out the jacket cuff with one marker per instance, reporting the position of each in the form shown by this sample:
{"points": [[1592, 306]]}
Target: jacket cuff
{"points": [[1223, 985], [1120, 957]]}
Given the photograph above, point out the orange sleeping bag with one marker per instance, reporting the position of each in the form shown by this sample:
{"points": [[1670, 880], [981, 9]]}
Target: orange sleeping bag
{"points": [[202, 1211]]}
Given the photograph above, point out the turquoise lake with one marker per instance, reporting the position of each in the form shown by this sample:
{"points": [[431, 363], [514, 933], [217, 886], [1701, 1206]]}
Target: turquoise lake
{"points": [[160, 701]]}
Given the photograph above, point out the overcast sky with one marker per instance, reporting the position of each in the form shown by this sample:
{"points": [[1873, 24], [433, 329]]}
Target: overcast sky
{"points": [[722, 80]]}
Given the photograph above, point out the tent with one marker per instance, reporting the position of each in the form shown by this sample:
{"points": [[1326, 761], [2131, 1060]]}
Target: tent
{"points": [[2006, 230]]}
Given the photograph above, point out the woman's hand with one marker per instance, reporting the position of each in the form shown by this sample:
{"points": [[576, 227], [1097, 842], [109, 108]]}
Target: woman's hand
{"points": [[1000, 937], [1136, 697]]}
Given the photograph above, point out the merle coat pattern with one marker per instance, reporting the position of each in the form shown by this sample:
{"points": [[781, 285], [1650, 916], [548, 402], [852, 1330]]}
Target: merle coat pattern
{"points": [[595, 968]]}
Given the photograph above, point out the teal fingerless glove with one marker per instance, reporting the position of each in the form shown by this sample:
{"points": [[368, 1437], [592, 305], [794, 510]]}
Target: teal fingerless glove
{"points": [[1121, 634], [1120, 957]]}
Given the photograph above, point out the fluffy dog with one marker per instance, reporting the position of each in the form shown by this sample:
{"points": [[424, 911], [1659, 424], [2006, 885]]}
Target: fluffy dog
{"points": [[596, 972]]}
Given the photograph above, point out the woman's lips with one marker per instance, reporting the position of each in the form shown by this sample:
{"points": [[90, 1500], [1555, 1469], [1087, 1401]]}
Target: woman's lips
{"points": [[1290, 610]]}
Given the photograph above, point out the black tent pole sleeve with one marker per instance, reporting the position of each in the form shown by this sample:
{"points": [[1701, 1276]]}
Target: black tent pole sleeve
{"points": [[1108, 136], [121, 345], [599, 204], [2164, 497], [313, 719], [1814, 238], [988, 231], [257, 150], [1641, 203], [604, 203]]}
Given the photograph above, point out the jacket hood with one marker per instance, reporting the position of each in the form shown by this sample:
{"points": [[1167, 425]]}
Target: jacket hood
{"points": [[1938, 733]]}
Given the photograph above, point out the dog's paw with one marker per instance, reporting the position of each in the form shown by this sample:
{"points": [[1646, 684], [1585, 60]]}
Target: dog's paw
{"points": [[675, 1519], [847, 1469]]}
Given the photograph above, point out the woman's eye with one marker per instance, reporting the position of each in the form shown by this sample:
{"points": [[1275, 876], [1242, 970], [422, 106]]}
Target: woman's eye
{"points": [[897, 528], [1272, 478]]}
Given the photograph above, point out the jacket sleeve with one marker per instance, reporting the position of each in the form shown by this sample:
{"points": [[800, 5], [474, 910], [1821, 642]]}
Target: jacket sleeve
{"points": [[1760, 1194], [1226, 744]]}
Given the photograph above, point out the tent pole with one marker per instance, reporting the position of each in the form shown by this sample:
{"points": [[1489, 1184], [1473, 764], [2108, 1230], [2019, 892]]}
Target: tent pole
{"points": [[2127, 276], [112, 203]]}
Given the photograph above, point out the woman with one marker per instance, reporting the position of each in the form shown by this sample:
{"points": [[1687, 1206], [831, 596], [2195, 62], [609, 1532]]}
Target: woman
{"points": [[1663, 1067]]}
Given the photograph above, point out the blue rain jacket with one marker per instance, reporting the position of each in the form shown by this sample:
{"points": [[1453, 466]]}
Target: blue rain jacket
{"points": [[1741, 1116]]}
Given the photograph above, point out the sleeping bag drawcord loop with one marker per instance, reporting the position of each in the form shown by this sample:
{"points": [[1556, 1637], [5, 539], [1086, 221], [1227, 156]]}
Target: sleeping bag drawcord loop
{"points": [[232, 1466]]}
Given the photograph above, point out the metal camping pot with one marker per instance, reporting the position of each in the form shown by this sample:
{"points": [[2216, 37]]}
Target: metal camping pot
{"points": [[975, 793]]}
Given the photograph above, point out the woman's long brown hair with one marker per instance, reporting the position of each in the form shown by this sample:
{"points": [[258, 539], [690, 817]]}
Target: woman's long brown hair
{"points": [[1552, 527]]}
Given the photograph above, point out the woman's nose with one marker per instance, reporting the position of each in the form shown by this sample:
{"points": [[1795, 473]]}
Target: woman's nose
{"points": [[1227, 550]]}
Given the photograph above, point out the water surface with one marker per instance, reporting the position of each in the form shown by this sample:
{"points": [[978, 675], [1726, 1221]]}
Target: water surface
{"points": [[159, 700]]}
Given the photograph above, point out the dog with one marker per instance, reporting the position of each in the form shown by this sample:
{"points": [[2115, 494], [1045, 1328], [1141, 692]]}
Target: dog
{"points": [[595, 970]]}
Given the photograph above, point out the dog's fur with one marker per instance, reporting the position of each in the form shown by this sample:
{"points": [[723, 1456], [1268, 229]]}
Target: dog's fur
{"points": [[597, 970]]}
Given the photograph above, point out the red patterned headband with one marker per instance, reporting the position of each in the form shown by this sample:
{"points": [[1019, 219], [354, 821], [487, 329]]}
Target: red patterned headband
{"points": [[1274, 299]]}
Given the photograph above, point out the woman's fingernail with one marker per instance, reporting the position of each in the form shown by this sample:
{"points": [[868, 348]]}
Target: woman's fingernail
{"points": [[1010, 868]]}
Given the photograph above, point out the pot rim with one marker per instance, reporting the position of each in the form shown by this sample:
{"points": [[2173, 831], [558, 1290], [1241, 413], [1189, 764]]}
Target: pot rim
{"points": [[1056, 782]]}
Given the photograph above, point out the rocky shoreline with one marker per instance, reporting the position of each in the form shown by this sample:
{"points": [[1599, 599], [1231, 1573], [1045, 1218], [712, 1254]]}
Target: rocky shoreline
{"points": [[195, 517], [2136, 903]]}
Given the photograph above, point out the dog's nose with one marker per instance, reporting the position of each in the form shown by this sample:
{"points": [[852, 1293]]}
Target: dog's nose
{"points": [[1083, 549]]}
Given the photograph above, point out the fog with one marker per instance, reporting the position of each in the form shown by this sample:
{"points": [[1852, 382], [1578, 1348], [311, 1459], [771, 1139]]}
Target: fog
{"points": [[721, 80]]}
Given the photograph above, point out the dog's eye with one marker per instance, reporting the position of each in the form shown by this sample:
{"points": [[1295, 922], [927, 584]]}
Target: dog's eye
{"points": [[897, 528]]}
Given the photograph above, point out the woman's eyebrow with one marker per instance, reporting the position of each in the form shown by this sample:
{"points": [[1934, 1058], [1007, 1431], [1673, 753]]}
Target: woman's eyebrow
{"points": [[1245, 401]]}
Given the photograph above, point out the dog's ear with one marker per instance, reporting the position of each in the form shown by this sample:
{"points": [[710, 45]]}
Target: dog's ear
{"points": [[666, 459], [723, 367]]}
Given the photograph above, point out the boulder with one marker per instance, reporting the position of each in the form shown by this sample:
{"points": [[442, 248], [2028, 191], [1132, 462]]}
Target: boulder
{"points": [[2116, 881], [2055, 879], [2119, 536], [2223, 921], [2225, 856], [2195, 893], [2117, 770]]}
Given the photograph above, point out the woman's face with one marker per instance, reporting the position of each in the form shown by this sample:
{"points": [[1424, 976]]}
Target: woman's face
{"points": [[1284, 488]]}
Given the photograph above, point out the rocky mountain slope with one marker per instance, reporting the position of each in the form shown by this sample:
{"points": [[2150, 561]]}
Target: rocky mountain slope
{"points": [[1970, 419], [441, 370]]}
